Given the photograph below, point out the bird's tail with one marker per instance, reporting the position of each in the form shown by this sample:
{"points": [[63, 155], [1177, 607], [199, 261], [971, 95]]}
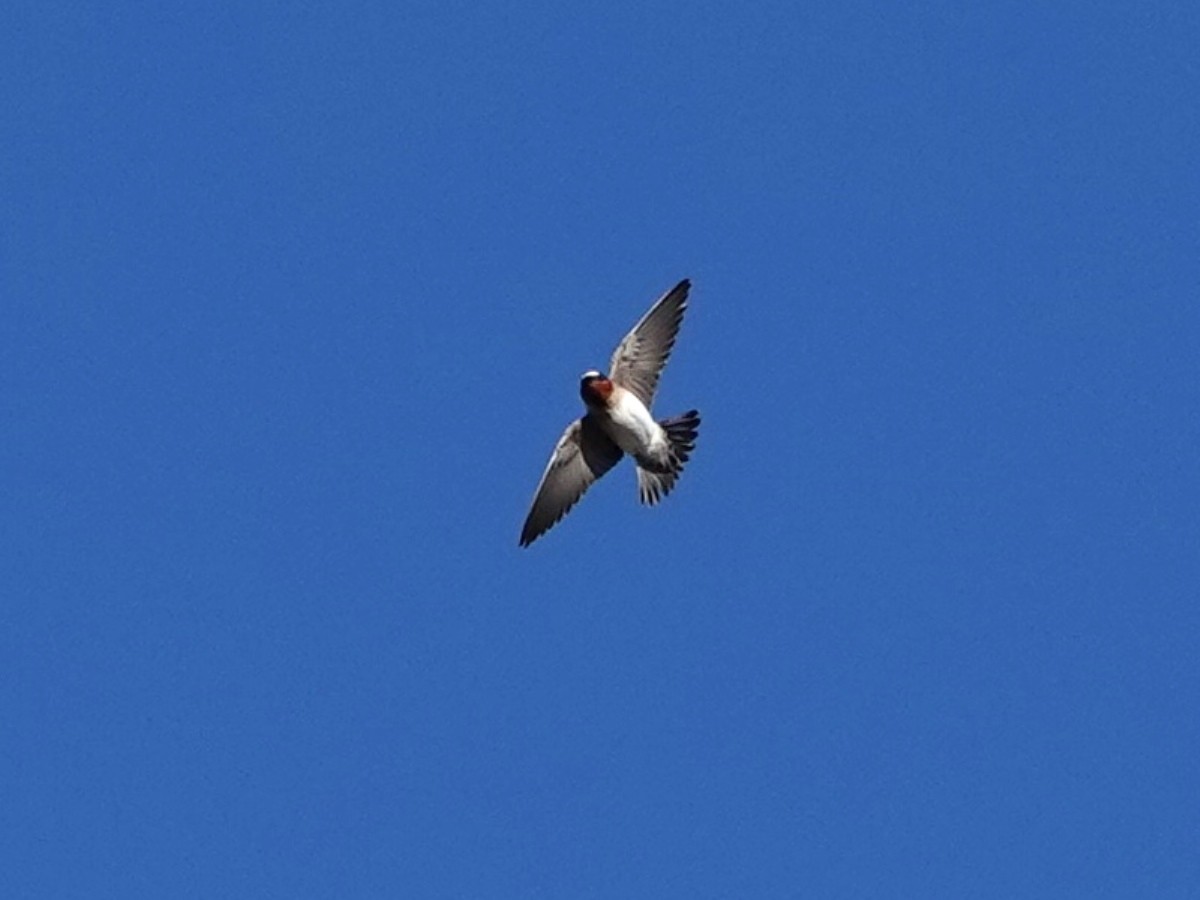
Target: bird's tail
{"points": [[681, 432]]}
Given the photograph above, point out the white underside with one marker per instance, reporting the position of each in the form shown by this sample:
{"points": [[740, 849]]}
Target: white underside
{"points": [[632, 428]]}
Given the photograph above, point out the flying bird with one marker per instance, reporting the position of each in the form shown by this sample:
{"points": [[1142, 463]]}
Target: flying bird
{"points": [[618, 421]]}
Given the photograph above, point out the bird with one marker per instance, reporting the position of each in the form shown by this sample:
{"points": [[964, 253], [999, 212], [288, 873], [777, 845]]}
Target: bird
{"points": [[618, 422]]}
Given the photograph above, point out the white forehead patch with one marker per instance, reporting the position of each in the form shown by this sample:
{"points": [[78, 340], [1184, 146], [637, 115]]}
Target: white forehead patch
{"points": [[590, 373]]}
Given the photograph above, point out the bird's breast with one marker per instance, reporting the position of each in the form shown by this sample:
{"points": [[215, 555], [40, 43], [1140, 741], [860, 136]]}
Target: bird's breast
{"points": [[630, 424]]}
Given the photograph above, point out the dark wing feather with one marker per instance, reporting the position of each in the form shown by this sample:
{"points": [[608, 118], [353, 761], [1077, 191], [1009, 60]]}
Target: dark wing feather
{"points": [[641, 356], [582, 455]]}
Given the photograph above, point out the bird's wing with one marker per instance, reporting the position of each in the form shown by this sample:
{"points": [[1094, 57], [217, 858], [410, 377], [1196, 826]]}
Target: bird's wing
{"points": [[640, 357], [582, 455]]}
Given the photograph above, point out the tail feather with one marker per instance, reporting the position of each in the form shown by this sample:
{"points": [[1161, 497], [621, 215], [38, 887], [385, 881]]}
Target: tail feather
{"points": [[681, 432]]}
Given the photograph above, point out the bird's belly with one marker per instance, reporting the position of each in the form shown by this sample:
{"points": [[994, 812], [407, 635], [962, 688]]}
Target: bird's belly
{"points": [[631, 426]]}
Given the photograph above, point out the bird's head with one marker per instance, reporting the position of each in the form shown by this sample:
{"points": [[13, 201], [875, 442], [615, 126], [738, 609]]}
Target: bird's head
{"points": [[594, 387]]}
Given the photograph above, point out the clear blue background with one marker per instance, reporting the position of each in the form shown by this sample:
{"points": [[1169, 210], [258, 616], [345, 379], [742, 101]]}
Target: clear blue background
{"points": [[295, 300]]}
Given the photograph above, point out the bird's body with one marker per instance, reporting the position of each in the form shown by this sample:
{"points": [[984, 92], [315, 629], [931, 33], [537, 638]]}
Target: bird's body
{"points": [[619, 422], [628, 424]]}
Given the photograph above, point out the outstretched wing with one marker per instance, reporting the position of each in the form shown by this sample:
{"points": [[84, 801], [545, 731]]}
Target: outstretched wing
{"points": [[640, 357], [582, 455]]}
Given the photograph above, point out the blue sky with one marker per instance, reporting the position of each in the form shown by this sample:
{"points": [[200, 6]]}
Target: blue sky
{"points": [[295, 303]]}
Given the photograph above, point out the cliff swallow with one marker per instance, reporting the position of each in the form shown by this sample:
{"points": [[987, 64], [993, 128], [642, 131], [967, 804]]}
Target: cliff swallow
{"points": [[618, 421]]}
